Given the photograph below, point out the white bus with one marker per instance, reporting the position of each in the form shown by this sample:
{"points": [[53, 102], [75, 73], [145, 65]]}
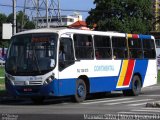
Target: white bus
{"points": [[157, 39], [69, 62]]}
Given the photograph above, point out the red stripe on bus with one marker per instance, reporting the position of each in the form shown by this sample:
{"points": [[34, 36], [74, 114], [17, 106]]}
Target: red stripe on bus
{"points": [[129, 72], [135, 36]]}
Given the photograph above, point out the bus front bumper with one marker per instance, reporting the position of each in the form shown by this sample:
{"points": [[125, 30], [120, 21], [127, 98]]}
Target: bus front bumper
{"points": [[31, 90]]}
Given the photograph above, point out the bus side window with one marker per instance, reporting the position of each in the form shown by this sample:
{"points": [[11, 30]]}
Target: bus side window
{"points": [[119, 47], [135, 48], [149, 49], [102, 47], [83, 46]]}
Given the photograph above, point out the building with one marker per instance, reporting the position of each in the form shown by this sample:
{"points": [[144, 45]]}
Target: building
{"points": [[79, 25], [53, 21], [156, 13]]}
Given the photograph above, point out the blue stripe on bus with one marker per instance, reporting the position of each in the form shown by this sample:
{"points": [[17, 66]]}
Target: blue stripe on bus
{"points": [[120, 68], [97, 84], [145, 36], [141, 68], [67, 87], [50, 89], [102, 84]]}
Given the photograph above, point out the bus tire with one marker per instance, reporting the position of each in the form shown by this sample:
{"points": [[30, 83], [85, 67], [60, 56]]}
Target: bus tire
{"points": [[135, 87], [81, 91], [38, 100]]}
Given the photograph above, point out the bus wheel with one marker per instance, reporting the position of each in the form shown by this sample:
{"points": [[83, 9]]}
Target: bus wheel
{"points": [[135, 87], [38, 100], [81, 91]]}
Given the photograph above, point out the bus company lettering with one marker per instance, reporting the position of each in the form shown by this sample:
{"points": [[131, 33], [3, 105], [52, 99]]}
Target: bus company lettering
{"points": [[103, 68]]}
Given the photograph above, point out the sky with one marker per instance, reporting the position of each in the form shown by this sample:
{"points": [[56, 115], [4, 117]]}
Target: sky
{"points": [[64, 4]]}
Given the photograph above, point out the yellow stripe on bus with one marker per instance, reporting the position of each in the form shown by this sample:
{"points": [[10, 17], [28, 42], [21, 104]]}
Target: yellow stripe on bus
{"points": [[129, 35], [123, 72]]}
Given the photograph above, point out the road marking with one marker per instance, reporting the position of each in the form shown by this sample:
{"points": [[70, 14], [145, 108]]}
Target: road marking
{"points": [[106, 101], [98, 99], [127, 102], [151, 109], [143, 103], [157, 101], [151, 95], [147, 110], [151, 88], [135, 113], [138, 104]]}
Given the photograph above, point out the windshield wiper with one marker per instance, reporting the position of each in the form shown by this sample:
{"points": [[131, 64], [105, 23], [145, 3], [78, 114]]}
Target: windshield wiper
{"points": [[36, 60]]}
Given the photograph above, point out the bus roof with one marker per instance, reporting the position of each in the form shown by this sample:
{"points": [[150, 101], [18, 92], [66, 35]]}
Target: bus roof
{"points": [[63, 30], [66, 30]]}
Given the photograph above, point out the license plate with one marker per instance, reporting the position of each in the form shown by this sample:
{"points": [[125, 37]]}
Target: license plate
{"points": [[27, 89]]}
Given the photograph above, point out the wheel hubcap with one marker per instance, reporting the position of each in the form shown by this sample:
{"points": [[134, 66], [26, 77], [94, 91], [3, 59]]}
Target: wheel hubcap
{"points": [[81, 90]]}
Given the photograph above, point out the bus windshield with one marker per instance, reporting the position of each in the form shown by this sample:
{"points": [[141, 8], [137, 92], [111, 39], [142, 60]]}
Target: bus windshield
{"points": [[31, 54]]}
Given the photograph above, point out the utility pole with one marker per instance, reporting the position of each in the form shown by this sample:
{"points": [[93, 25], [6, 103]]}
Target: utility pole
{"points": [[42, 11], [59, 13], [14, 17], [37, 12], [47, 24]]}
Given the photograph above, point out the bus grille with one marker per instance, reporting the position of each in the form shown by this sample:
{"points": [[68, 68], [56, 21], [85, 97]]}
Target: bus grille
{"points": [[35, 82], [29, 83], [18, 82]]}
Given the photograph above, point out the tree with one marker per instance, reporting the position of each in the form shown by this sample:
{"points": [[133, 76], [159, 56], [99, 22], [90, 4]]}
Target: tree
{"points": [[131, 16], [29, 25], [3, 19], [23, 21]]}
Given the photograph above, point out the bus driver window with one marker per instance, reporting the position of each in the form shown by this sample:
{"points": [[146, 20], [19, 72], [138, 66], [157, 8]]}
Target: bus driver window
{"points": [[61, 53], [61, 56], [66, 56]]}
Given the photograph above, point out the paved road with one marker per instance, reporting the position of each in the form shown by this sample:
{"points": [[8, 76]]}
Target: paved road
{"points": [[113, 106]]}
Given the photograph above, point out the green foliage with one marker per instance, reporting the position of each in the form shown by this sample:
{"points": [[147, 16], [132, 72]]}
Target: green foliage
{"points": [[121, 15], [2, 72], [158, 77], [1, 82], [4, 44], [22, 21], [10, 18], [2, 79], [29, 25], [3, 19]]}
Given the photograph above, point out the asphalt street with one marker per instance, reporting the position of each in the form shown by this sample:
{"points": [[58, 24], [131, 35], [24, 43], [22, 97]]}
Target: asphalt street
{"points": [[111, 106]]}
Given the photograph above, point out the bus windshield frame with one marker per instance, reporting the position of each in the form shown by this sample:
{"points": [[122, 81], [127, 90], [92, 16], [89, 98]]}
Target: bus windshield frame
{"points": [[32, 54]]}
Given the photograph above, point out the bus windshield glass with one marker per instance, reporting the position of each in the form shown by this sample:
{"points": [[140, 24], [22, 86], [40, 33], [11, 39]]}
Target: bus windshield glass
{"points": [[32, 54]]}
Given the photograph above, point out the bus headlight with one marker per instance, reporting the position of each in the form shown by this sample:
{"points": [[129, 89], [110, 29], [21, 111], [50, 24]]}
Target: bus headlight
{"points": [[49, 79]]}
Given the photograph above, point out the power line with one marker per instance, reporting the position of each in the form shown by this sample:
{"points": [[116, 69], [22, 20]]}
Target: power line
{"points": [[32, 8]]}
